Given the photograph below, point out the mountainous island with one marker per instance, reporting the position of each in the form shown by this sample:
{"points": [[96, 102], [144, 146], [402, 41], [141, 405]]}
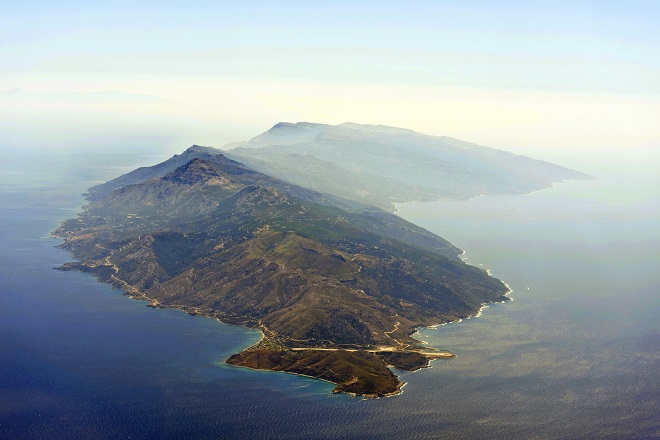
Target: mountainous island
{"points": [[382, 165], [336, 284]]}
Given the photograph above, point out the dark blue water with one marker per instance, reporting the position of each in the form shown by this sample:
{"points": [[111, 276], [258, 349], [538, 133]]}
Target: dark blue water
{"points": [[575, 356]]}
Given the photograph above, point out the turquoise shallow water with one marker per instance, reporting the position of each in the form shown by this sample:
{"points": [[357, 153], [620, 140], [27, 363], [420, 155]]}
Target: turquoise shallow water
{"points": [[575, 355]]}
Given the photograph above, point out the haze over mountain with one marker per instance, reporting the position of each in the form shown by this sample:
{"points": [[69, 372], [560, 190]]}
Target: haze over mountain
{"points": [[337, 287], [336, 284], [383, 165]]}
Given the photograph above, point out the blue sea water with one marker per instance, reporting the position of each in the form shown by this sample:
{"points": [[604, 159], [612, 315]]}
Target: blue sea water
{"points": [[575, 355]]}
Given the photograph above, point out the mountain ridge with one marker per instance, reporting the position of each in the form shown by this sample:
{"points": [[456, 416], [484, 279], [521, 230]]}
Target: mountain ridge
{"points": [[382, 165], [305, 252], [337, 288]]}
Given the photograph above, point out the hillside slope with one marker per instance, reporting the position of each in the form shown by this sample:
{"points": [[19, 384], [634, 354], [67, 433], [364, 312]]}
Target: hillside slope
{"points": [[382, 165], [337, 289]]}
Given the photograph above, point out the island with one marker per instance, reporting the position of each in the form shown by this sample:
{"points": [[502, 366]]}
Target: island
{"points": [[383, 166], [337, 286]]}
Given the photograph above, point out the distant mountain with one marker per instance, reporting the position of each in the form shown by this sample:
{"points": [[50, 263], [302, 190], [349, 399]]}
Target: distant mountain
{"points": [[337, 287], [382, 165]]}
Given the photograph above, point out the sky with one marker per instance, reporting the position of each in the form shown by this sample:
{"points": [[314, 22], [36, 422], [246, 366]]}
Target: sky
{"points": [[524, 76]]}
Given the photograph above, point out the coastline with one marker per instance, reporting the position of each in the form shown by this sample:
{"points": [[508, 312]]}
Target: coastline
{"points": [[396, 205], [132, 293], [403, 359], [348, 393], [463, 257], [136, 294]]}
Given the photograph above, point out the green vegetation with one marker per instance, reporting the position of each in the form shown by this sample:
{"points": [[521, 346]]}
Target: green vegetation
{"points": [[337, 288]]}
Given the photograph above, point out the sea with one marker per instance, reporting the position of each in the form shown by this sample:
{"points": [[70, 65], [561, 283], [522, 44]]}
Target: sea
{"points": [[575, 355]]}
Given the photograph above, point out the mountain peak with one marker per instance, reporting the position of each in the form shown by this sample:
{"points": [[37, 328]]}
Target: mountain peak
{"points": [[201, 149], [193, 172], [298, 125], [287, 133]]}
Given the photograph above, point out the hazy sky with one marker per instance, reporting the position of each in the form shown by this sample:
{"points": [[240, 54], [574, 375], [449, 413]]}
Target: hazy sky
{"points": [[517, 75]]}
